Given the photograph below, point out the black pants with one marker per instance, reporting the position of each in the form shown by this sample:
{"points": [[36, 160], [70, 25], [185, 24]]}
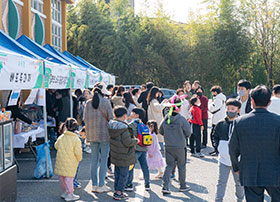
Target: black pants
{"points": [[256, 194], [205, 125], [196, 136], [212, 138], [109, 161]]}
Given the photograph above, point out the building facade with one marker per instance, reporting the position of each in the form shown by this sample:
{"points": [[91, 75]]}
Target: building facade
{"points": [[44, 21]]}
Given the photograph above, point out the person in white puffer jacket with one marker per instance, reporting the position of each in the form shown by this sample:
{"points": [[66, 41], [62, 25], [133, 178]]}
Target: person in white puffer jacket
{"points": [[218, 110]]}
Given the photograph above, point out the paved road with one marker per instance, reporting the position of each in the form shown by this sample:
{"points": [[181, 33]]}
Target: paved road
{"points": [[201, 177]]}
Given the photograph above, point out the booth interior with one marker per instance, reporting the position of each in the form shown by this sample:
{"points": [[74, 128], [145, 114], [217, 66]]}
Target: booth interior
{"points": [[36, 94]]}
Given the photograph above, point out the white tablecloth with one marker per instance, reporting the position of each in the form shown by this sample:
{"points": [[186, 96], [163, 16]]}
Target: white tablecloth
{"points": [[22, 138]]}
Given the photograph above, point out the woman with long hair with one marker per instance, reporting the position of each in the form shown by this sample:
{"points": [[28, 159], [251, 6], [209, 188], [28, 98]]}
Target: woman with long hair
{"points": [[129, 102], [155, 109], [117, 99], [98, 112], [87, 94], [114, 91]]}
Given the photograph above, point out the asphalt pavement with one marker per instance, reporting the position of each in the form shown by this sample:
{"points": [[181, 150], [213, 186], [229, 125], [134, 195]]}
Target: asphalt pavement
{"points": [[202, 175]]}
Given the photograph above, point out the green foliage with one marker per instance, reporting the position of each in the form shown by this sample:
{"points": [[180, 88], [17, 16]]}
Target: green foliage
{"points": [[216, 48]]}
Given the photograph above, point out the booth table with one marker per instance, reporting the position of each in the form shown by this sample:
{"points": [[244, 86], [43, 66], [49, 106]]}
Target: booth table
{"points": [[21, 139]]}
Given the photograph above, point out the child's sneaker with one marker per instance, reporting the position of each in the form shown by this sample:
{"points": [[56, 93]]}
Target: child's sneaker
{"points": [[147, 187], [165, 191], [87, 150], [128, 187], [72, 197], [118, 197], [103, 189], [64, 195], [77, 184]]}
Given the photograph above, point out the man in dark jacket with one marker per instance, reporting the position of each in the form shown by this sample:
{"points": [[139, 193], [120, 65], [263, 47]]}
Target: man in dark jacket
{"points": [[50, 102], [256, 141], [243, 91], [122, 150], [143, 99], [175, 130]]}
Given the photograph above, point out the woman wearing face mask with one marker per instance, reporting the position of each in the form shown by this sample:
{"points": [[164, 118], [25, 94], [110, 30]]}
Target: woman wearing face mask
{"points": [[204, 110], [197, 125]]}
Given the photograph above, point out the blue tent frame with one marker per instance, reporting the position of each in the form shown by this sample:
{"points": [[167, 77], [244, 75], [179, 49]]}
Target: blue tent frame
{"points": [[8, 43], [40, 50]]}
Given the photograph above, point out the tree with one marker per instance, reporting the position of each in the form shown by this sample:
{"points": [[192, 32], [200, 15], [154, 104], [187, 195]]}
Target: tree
{"points": [[263, 20], [232, 44]]}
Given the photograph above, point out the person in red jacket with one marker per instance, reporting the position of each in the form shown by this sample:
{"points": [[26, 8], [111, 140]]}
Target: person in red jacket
{"points": [[197, 124], [204, 109]]}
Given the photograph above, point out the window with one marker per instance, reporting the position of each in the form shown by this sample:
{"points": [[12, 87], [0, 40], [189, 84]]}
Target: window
{"points": [[56, 24], [56, 10], [37, 5], [56, 36]]}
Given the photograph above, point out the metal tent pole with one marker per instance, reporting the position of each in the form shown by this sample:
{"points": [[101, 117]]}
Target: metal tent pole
{"points": [[45, 123], [71, 99]]}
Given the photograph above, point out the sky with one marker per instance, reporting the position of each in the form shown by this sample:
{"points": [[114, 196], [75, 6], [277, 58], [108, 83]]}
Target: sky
{"points": [[178, 10]]}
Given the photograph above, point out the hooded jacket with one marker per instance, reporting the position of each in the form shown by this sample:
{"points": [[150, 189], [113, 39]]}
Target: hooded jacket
{"points": [[69, 154], [122, 144], [218, 108], [222, 133], [176, 132]]}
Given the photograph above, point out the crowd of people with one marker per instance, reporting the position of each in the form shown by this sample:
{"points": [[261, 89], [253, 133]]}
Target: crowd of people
{"points": [[124, 127]]}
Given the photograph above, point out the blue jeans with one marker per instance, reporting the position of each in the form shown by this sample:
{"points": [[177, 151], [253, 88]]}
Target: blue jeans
{"points": [[102, 149], [142, 158], [121, 175], [161, 144], [76, 176]]}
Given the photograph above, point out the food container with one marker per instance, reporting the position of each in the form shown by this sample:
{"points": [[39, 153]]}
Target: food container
{"points": [[18, 127]]}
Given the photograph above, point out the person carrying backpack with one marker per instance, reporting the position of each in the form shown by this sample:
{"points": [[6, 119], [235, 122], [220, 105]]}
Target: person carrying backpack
{"points": [[139, 129]]}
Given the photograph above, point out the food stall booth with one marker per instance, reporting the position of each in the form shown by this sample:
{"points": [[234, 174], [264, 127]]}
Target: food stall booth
{"points": [[16, 72]]}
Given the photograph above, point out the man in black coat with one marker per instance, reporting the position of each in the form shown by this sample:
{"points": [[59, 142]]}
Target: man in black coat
{"points": [[256, 139], [143, 99], [243, 91]]}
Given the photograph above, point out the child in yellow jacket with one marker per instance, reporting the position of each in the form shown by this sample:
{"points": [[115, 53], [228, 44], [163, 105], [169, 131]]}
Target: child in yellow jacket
{"points": [[69, 154]]}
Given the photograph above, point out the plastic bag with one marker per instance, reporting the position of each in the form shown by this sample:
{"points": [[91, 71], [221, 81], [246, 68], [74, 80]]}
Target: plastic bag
{"points": [[41, 168]]}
